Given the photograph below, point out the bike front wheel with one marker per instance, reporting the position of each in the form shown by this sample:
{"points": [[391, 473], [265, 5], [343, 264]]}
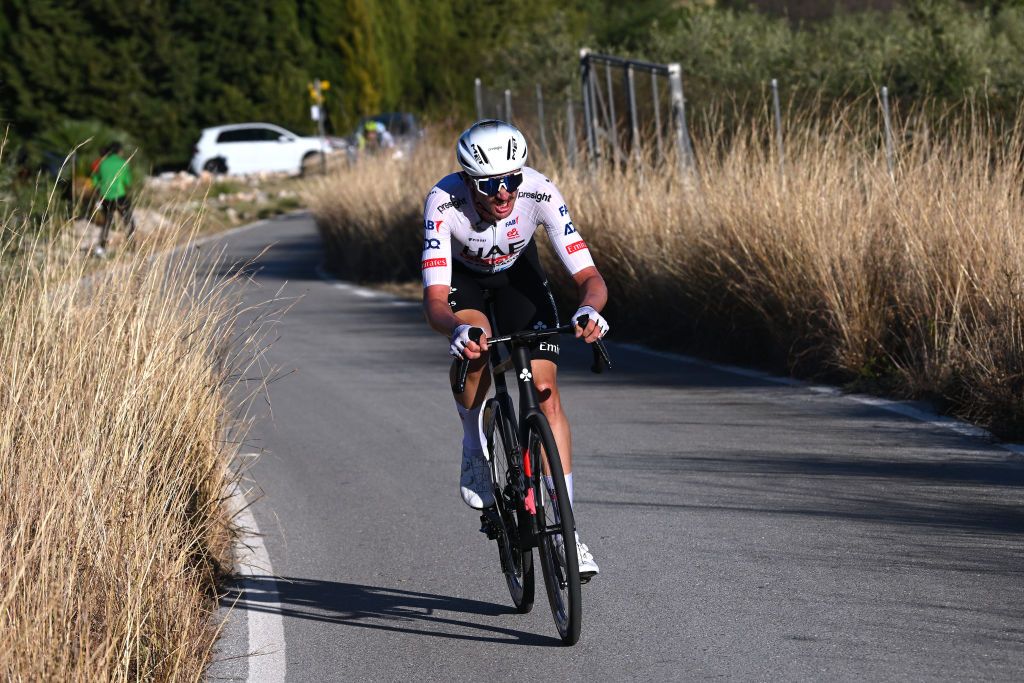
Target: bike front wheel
{"points": [[507, 476], [557, 534]]}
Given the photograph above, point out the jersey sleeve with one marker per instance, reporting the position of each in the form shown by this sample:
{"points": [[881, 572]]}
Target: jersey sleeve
{"points": [[571, 249], [436, 262]]}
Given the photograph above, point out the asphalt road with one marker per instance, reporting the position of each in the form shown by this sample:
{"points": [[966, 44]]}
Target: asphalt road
{"points": [[746, 529]]}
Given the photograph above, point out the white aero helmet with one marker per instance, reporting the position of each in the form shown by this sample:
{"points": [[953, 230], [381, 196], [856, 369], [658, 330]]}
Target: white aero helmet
{"points": [[491, 148]]}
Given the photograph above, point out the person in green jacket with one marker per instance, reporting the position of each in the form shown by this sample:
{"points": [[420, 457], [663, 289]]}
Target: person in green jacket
{"points": [[112, 179]]}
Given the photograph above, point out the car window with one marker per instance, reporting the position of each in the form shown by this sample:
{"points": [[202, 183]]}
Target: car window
{"points": [[249, 135], [240, 135], [271, 135]]}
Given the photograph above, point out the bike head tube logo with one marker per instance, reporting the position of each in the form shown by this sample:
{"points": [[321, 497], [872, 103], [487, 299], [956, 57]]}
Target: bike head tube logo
{"points": [[525, 375]]}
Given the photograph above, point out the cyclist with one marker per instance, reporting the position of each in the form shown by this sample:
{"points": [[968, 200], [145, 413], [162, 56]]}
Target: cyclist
{"points": [[478, 235]]}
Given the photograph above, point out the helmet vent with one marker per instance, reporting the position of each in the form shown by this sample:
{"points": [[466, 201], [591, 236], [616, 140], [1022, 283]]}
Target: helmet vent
{"points": [[511, 153]]}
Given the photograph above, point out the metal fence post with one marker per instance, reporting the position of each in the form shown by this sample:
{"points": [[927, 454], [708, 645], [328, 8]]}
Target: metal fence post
{"points": [[595, 113], [778, 127], [675, 80], [613, 126], [889, 150], [586, 77], [540, 119], [508, 105], [570, 118], [657, 115], [478, 92], [634, 127]]}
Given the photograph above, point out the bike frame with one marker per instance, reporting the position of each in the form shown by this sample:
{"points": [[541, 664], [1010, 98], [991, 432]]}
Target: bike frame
{"points": [[521, 493], [529, 406]]}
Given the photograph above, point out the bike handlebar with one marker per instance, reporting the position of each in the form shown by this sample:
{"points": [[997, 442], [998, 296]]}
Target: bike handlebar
{"points": [[601, 358]]}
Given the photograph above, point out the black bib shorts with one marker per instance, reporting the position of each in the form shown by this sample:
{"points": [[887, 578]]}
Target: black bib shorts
{"points": [[521, 295]]}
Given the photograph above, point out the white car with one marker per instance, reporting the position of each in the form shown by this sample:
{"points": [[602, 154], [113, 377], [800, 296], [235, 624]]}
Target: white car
{"points": [[253, 148]]}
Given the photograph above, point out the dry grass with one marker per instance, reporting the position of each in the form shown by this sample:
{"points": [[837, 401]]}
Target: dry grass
{"points": [[910, 285], [115, 455]]}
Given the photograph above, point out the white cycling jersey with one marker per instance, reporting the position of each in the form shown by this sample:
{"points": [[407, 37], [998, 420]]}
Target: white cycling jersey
{"points": [[454, 230]]}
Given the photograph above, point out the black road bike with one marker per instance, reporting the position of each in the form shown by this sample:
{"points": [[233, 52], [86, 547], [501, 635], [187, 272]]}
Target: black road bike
{"points": [[526, 514]]}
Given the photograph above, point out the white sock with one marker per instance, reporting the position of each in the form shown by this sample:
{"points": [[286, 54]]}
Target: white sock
{"points": [[471, 437], [549, 482]]}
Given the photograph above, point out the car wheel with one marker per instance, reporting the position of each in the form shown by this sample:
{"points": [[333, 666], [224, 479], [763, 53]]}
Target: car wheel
{"points": [[216, 165], [310, 164]]}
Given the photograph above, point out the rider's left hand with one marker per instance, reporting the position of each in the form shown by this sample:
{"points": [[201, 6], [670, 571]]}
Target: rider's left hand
{"points": [[597, 326]]}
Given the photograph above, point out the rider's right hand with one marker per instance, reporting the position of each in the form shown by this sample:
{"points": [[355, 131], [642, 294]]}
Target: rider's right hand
{"points": [[463, 346]]}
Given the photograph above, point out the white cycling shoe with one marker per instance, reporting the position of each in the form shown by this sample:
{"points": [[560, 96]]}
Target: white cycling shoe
{"points": [[588, 567], [475, 482]]}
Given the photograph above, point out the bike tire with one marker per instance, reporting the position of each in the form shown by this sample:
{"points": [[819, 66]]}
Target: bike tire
{"points": [[506, 474], [562, 580]]}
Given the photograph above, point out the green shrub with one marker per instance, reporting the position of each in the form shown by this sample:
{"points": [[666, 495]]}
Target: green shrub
{"points": [[936, 48]]}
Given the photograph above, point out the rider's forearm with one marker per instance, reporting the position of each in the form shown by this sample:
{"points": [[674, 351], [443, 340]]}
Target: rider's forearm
{"points": [[591, 288], [440, 317]]}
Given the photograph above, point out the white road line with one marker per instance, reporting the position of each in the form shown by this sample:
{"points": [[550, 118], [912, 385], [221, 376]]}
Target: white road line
{"points": [[259, 598], [266, 651], [363, 292], [898, 407]]}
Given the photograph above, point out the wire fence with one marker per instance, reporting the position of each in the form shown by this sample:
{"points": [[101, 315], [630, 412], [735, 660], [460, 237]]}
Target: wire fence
{"points": [[622, 111], [550, 120]]}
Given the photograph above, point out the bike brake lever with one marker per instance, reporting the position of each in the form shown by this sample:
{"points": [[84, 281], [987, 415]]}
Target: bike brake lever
{"points": [[462, 368], [601, 358]]}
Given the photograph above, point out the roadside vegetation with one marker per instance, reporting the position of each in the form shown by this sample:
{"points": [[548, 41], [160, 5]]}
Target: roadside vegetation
{"points": [[117, 437], [911, 286]]}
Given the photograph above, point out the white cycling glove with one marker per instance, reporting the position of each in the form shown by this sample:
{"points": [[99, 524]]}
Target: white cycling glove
{"points": [[589, 311], [460, 337]]}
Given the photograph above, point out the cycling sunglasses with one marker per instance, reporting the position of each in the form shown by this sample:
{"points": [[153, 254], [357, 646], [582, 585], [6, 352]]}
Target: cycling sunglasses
{"points": [[490, 186]]}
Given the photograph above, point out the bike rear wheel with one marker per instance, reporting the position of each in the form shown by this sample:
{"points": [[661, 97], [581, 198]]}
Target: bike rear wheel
{"points": [[557, 529], [506, 473]]}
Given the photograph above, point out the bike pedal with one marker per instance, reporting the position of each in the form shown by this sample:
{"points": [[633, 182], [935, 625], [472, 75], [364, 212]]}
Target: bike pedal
{"points": [[488, 528], [585, 578]]}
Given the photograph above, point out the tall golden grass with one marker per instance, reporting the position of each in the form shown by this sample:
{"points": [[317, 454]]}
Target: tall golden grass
{"points": [[115, 454], [909, 284]]}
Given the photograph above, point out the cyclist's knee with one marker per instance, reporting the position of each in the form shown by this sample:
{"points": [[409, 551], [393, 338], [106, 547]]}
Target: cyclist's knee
{"points": [[547, 393], [475, 318]]}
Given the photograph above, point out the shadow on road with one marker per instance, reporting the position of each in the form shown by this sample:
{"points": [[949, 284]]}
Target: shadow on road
{"points": [[976, 495], [373, 607]]}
